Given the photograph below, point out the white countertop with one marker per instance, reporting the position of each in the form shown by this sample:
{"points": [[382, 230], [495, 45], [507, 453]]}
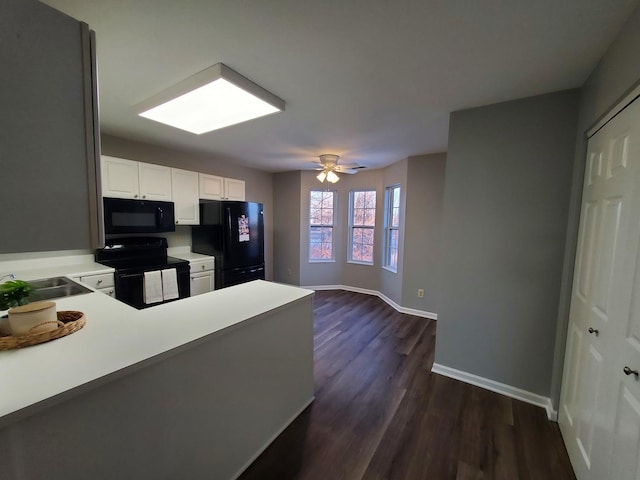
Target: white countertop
{"points": [[117, 336], [35, 268], [185, 253]]}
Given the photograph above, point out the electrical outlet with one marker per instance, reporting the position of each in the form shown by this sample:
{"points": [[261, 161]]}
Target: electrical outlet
{"points": [[420, 293]]}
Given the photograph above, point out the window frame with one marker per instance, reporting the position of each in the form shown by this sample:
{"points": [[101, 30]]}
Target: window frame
{"points": [[389, 228], [313, 226], [352, 226]]}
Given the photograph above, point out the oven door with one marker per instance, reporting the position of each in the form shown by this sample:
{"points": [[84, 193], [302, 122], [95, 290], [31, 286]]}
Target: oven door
{"points": [[138, 216], [130, 287]]}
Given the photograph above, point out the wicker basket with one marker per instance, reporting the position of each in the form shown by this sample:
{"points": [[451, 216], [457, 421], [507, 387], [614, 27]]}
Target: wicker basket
{"points": [[69, 321]]}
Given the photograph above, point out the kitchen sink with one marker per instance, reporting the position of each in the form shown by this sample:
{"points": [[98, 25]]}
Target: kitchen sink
{"points": [[55, 287]]}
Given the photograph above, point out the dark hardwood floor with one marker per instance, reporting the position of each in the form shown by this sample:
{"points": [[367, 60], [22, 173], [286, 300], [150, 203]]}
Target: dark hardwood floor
{"points": [[380, 413]]}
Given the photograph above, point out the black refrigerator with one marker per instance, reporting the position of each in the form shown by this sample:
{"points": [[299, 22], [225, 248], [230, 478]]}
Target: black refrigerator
{"points": [[233, 232]]}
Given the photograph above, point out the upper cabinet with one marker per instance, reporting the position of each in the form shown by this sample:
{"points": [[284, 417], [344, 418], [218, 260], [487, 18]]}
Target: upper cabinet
{"points": [[184, 190], [49, 131], [129, 179], [219, 188]]}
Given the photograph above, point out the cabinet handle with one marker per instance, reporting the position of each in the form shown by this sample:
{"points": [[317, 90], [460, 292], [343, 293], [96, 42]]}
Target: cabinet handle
{"points": [[628, 371], [99, 282], [135, 196], [177, 222], [593, 331], [202, 267], [144, 196]]}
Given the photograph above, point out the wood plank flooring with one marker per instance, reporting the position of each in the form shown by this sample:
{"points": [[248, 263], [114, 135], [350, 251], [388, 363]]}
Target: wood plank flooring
{"points": [[380, 413]]}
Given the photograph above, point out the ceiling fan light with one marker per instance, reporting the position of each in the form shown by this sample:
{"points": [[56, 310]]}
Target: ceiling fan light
{"points": [[321, 176], [211, 99], [332, 177]]}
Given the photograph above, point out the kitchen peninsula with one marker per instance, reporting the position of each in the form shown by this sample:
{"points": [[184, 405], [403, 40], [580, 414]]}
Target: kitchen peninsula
{"points": [[195, 388]]}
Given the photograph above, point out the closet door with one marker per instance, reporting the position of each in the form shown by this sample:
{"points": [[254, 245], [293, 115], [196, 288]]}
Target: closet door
{"points": [[597, 405]]}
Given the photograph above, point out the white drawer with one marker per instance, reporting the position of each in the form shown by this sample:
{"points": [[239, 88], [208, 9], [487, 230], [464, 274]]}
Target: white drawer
{"points": [[98, 281], [204, 265], [111, 291]]}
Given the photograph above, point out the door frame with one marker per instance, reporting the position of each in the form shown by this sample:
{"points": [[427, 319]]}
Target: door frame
{"points": [[571, 243]]}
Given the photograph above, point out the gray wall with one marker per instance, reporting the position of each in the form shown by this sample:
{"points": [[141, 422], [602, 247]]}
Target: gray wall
{"points": [[509, 170], [421, 180], [43, 159], [340, 272], [259, 184], [617, 72], [423, 231], [286, 227]]}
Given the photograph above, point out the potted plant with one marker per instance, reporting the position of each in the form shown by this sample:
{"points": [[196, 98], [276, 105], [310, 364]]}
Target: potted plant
{"points": [[14, 293]]}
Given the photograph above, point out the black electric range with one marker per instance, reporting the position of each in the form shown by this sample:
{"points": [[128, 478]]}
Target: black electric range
{"points": [[132, 257]]}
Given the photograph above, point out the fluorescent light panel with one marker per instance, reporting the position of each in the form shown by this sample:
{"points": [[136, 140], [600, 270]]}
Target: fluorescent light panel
{"points": [[214, 98]]}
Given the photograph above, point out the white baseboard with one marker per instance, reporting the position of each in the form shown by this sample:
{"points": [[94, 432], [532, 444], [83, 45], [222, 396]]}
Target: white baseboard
{"points": [[273, 437], [502, 388], [399, 308]]}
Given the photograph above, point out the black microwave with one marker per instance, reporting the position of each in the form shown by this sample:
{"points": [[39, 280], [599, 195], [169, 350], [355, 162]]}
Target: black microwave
{"points": [[138, 216]]}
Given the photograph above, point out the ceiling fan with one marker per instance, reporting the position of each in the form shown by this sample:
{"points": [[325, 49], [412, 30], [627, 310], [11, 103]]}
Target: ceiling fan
{"points": [[329, 167]]}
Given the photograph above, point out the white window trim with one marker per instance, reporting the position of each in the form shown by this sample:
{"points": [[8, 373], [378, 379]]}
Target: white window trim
{"points": [[332, 226], [351, 226], [388, 215]]}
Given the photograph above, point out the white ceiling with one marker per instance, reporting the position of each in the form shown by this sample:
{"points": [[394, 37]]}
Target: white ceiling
{"points": [[371, 80]]}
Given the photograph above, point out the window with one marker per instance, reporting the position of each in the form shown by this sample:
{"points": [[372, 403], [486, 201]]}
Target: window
{"points": [[391, 227], [362, 222], [321, 220]]}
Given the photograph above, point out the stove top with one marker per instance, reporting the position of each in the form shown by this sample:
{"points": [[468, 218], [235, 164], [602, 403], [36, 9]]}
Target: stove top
{"points": [[144, 264], [137, 254]]}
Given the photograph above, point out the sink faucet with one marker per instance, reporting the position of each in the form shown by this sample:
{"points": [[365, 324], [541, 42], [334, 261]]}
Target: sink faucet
{"points": [[12, 276]]}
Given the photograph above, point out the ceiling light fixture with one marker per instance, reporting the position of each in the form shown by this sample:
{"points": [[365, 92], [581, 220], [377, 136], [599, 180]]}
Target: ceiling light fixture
{"points": [[211, 99]]}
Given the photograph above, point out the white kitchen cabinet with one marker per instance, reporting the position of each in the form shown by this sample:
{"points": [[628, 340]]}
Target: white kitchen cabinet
{"points": [[119, 178], [202, 278], [123, 178], [155, 182], [213, 187], [201, 283], [102, 282], [234, 189], [184, 191]]}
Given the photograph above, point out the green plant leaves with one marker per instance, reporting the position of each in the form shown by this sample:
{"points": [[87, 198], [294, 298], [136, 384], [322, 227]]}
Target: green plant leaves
{"points": [[14, 293]]}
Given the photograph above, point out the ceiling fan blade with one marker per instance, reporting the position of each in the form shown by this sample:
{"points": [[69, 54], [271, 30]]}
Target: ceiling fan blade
{"points": [[349, 165], [350, 171]]}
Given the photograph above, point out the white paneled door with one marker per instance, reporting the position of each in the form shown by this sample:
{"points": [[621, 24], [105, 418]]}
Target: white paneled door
{"points": [[600, 403]]}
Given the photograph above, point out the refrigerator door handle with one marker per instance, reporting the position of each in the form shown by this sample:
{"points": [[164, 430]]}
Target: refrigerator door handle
{"points": [[228, 213]]}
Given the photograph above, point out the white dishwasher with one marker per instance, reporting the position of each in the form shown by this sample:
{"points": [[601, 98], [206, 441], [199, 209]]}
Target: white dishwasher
{"points": [[202, 275]]}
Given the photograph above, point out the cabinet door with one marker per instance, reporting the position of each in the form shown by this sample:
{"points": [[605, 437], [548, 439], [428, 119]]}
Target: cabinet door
{"points": [[211, 187], [184, 191], [201, 283], [233, 189], [155, 182], [119, 177]]}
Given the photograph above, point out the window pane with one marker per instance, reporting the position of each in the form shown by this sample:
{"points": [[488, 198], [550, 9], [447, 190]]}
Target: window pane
{"points": [[358, 216], [315, 216], [370, 217], [327, 216], [327, 251], [396, 197], [316, 199], [327, 199], [356, 252], [394, 239], [395, 217], [367, 253], [357, 235], [327, 235], [367, 236], [370, 199]]}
